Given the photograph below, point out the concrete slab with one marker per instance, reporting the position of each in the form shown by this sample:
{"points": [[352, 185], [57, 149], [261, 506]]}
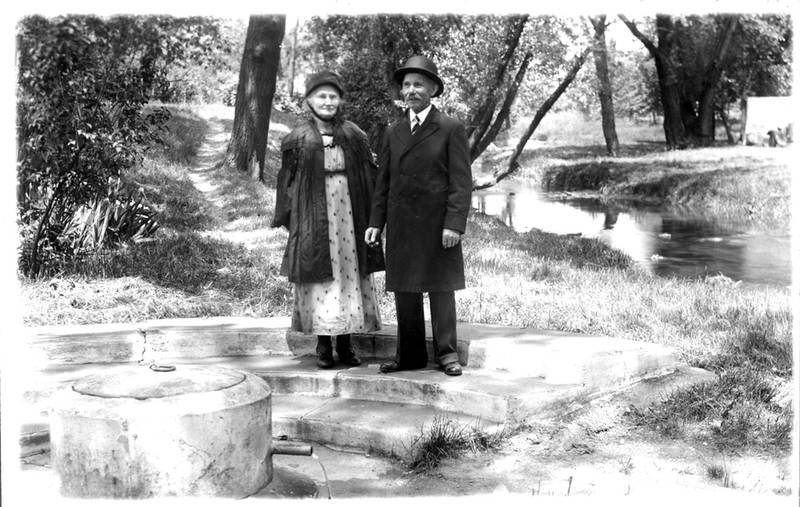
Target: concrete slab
{"points": [[512, 374], [561, 358], [390, 429], [158, 340], [380, 344]]}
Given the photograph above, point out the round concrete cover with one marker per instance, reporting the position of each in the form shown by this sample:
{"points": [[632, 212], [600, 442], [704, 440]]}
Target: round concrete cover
{"points": [[142, 383]]}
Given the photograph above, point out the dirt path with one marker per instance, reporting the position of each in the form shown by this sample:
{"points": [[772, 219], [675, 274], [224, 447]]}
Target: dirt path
{"points": [[211, 151], [232, 198]]}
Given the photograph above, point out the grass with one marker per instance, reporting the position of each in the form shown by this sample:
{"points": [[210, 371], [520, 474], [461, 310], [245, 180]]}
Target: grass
{"points": [[216, 255], [445, 439]]}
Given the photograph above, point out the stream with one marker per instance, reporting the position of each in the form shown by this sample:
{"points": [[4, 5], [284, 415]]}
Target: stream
{"points": [[664, 243]]}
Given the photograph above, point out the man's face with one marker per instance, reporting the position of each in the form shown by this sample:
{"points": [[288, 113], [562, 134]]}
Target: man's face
{"points": [[325, 101], [416, 90]]}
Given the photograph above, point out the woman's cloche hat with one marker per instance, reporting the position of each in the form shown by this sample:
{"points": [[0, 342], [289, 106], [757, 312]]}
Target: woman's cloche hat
{"points": [[325, 77]]}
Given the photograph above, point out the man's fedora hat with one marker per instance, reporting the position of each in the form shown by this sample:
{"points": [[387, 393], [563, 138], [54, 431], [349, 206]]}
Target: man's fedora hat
{"points": [[326, 77], [423, 66]]}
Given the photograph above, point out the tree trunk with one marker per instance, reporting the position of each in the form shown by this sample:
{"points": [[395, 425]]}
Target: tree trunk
{"points": [[743, 119], [513, 165], [674, 131], [293, 60], [483, 116], [723, 115], [605, 90], [704, 128], [257, 77]]}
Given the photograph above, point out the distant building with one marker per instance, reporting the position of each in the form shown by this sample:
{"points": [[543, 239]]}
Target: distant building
{"points": [[769, 121]]}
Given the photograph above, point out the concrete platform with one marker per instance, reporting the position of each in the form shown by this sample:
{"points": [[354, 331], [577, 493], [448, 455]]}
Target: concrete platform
{"points": [[510, 375]]}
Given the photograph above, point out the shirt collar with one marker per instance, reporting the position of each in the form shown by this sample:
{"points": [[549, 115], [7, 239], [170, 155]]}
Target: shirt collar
{"points": [[422, 114]]}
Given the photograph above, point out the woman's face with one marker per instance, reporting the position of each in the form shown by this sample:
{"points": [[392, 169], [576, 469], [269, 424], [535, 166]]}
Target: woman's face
{"points": [[325, 101]]}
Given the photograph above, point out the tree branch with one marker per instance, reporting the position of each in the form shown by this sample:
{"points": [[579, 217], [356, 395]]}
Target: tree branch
{"points": [[486, 110], [513, 163], [505, 109], [639, 35]]}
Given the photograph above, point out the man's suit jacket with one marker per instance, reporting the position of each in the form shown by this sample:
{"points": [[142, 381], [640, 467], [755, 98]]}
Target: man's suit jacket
{"points": [[424, 185]]}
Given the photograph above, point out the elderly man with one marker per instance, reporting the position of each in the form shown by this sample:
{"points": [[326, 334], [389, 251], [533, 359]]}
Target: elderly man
{"points": [[422, 196]]}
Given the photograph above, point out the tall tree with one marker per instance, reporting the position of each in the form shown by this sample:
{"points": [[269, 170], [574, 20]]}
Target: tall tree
{"points": [[667, 72], [604, 88], [257, 80], [691, 56]]}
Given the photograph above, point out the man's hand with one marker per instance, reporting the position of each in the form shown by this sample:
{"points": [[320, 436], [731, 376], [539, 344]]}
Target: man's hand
{"points": [[450, 238], [372, 237]]}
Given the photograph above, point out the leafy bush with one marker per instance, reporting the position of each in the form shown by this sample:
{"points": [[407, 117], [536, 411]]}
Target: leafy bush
{"points": [[80, 122], [83, 86]]}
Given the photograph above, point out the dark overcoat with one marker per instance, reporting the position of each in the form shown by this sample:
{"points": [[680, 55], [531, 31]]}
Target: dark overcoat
{"points": [[300, 203], [424, 185]]}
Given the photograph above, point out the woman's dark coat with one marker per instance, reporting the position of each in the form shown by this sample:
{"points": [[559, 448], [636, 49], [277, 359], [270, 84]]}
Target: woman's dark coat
{"points": [[301, 202], [424, 185]]}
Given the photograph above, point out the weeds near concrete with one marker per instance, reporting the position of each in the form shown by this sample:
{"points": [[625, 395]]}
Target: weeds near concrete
{"points": [[741, 409], [720, 472], [445, 438]]}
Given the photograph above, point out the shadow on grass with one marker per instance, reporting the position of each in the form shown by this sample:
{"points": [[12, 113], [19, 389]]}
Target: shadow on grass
{"points": [[195, 264], [182, 137], [180, 205], [486, 233]]}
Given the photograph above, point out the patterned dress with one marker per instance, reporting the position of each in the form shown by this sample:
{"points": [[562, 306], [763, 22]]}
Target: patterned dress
{"points": [[346, 304]]}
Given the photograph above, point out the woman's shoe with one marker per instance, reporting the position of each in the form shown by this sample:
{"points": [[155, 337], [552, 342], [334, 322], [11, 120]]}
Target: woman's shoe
{"points": [[324, 352], [345, 351]]}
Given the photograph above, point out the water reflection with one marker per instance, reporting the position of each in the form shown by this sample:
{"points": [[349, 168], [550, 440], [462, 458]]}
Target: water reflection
{"points": [[664, 244]]}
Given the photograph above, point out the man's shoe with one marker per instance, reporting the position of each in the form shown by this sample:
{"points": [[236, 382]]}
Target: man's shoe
{"points": [[390, 367], [452, 369], [393, 366]]}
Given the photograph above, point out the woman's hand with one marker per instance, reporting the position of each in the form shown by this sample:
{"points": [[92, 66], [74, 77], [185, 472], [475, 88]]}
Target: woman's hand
{"points": [[373, 237]]}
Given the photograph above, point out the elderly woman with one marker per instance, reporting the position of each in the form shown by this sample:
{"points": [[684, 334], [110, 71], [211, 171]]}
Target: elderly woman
{"points": [[324, 192]]}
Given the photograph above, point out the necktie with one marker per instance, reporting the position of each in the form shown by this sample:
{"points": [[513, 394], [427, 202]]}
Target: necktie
{"points": [[415, 125]]}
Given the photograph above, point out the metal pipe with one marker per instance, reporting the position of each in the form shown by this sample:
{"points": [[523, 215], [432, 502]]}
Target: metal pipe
{"points": [[291, 449]]}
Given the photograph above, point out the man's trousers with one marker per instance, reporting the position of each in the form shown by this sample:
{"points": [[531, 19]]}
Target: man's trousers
{"points": [[412, 351]]}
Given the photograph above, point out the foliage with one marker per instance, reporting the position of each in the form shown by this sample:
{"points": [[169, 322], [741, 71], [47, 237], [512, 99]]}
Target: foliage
{"points": [[111, 221], [706, 62], [206, 71], [762, 65], [80, 119], [367, 49], [759, 61]]}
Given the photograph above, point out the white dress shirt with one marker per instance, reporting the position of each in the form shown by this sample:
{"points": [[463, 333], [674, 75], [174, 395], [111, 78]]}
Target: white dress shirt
{"points": [[421, 115]]}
